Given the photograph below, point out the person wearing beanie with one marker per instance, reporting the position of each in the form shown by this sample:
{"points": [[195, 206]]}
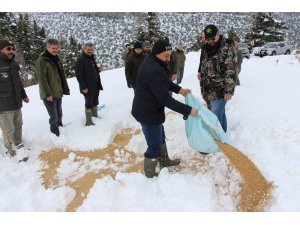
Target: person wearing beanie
{"points": [[133, 63], [146, 47], [150, 99], [52, 83], [217, 71], [12, 93]]}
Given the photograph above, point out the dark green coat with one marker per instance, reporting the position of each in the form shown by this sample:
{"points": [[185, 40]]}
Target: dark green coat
{"points": [[11, 88], [51, 83]]}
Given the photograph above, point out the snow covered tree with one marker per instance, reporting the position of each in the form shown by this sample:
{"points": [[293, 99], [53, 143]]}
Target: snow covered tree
{"points": [[69, 51], [231, 34], [5, 25], [265, 29], [152, 31]]}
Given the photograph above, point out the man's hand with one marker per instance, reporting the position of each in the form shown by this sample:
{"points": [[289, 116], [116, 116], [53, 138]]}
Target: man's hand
{"points": [[227, 96], [50, 99], [26, 99], [199, 76], [184, 91], [101, 68], [194, 112], [173, 77]]}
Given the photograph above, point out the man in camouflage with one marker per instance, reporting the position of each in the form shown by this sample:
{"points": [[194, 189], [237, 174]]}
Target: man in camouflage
{"points": [[217, 72]]}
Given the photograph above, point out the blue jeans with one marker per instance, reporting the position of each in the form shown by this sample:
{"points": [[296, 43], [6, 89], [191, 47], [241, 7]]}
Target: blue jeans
{"points": [[155, 137], [218, 108], [54, 110]]}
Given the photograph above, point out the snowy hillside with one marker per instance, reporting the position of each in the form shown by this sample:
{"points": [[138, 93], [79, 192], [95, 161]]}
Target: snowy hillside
{"points": [[110, 31], [63, 173]]}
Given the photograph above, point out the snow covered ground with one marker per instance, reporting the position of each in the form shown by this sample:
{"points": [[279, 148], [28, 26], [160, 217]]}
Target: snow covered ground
{"points": [[263, 122]]}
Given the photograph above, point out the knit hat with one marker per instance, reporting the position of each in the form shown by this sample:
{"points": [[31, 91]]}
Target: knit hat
{"points": [[137, 44], [161, 46], [4, 43], [146, 43], [210, 31]]}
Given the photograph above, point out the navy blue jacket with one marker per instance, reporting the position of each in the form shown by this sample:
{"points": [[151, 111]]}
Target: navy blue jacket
{"points": [[152, 93], [87, 73]]}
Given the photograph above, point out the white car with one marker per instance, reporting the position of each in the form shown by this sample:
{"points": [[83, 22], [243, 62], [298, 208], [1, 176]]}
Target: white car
{"points": [[275, 48], [245, 50]]}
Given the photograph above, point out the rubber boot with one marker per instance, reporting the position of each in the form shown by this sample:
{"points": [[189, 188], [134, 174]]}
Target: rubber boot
{"points": [[164, 160], [95, 112], [88, 115], [149, 167]]}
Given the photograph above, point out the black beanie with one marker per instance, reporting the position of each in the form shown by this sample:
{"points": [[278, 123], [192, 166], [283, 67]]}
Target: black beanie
{"points": [[4, 43], [161, 46], [137, 44], [210, 31]]}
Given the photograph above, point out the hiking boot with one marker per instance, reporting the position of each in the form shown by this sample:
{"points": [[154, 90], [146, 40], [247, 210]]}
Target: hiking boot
{"points": [[11, 153], [56, 132]]}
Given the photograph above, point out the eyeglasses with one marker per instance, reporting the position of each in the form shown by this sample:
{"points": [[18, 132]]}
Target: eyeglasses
{"points": [[10, 49]]}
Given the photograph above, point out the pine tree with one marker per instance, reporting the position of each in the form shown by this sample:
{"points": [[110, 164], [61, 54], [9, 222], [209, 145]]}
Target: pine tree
{"points": [[231, 34], [5, 25], [265, 29], [152, 31], [69, 51]]}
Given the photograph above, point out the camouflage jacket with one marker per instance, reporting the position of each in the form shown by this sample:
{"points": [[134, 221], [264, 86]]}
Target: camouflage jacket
{"points": [[218, 72]]}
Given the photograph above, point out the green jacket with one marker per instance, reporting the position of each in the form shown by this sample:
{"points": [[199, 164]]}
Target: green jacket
{"points": [[180, 58], [51, 81]]}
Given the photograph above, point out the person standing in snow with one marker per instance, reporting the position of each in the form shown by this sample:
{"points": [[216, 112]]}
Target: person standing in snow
{"points": [[239, 61], [133, 63], [52, 83], [217, 72], [151, 97], [180, 62], [146, 48], [88, 77], [12, 93]]}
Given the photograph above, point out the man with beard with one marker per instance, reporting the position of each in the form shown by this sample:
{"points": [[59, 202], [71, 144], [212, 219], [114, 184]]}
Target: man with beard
{"points": [[12, 93], [217, 71]]}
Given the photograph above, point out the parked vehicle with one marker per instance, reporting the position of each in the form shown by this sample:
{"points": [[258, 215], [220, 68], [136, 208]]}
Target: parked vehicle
{"points": [[275, 48], [245, 50]]}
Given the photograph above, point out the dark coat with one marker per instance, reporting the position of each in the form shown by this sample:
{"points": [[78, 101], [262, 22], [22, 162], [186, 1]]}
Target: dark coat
{"points": [[11, 88], [51, 77], [152, 93], [172, 65], [87, 73], [180, 58], [132, 66]]}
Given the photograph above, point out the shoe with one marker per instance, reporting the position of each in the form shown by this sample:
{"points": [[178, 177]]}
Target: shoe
{"points": [[11, 153], [21, 145], [60, 124], [22, 154]]}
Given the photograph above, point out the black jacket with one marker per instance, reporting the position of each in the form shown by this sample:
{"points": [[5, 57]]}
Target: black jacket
{"points": [[132, 66], [11, 88], [152, 93], [87, 73]]}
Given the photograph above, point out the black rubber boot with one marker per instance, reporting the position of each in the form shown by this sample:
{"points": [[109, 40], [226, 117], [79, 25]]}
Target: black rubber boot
{"points": [[95, 112], [149, 167], [88, 115], [164, 159]]}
